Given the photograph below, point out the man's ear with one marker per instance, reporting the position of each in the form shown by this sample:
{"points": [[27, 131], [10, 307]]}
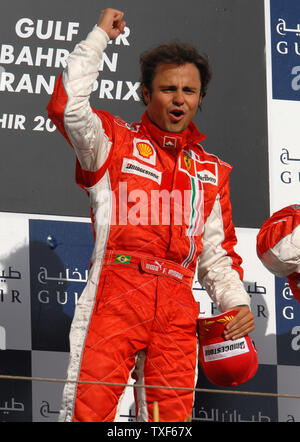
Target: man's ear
{"points": [[146, 94]]}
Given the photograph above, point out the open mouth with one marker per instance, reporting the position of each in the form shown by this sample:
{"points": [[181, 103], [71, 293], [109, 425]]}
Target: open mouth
{"points": [[176, 114]]}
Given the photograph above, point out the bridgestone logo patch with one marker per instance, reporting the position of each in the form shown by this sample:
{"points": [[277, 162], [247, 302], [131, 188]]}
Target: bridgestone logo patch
{"points": [[137, 168], [227, 349]]}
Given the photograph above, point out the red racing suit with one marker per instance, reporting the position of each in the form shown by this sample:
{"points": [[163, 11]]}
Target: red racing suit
{"points": [[160, 208]]}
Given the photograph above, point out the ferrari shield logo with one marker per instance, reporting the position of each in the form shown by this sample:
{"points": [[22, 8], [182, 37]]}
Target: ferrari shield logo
{"points": [[187, 161], [187, 164]]}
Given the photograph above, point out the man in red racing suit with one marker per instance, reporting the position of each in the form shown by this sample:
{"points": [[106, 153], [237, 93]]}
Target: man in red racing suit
{"points": [[160, 206]]}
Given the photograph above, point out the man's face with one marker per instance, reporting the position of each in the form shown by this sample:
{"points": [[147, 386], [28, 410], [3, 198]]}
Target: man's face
{"points": [[175, 96]]}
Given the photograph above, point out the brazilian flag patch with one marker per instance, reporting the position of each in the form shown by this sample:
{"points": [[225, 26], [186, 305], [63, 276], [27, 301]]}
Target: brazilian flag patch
{"points": [[123, 259]]}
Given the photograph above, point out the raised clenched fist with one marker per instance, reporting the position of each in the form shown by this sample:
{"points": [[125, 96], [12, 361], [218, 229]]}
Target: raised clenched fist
{"points": [[111, 22]]}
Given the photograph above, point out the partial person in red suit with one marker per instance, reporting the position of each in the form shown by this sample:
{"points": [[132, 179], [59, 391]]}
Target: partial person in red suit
{"points": [[278, 246]]}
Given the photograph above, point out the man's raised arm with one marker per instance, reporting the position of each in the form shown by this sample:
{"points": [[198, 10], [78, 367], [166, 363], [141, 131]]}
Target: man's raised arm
{"points": [[69, 107]]}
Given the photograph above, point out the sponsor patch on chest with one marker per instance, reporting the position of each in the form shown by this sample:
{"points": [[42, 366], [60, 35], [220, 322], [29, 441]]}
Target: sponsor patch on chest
{"points": [[204, 171], [137, 168], [144, 150], [207, 172]]}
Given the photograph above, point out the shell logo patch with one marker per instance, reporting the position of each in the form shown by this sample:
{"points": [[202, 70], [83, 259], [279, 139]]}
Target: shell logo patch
{"points": [[144, 150]]}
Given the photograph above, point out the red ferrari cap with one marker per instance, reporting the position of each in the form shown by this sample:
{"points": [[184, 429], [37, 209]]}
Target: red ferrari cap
{"points": [[278, 245], [224, 362]]}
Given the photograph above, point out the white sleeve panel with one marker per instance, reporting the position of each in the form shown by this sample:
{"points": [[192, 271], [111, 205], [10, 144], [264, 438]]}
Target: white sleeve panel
{"points": [[82, 125], [215, 271]]}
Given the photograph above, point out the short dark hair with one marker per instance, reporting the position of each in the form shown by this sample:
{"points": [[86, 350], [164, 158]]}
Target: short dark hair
{"points": [[177, 53]]}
